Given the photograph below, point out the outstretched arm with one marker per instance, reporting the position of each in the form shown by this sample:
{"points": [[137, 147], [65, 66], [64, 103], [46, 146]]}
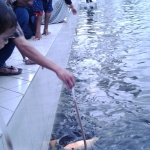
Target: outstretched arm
{"points": [[28, 50]]}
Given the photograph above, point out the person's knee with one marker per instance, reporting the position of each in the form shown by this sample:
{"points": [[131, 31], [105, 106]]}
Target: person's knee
{"points": [[22, 15]]}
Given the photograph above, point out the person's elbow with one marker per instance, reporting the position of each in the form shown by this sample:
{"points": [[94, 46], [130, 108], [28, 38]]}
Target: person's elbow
{"points": [[21, 43]]}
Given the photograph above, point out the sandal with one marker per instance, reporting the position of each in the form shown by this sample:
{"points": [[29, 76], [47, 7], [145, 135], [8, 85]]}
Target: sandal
{"points": [[9, 71]]}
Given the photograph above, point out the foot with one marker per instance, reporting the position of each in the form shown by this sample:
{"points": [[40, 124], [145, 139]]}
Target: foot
{"points": [[63, 21], [46, 33], [9, 71], [29, 62]]}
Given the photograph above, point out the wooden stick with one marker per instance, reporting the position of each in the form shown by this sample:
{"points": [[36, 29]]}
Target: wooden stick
{"points": [[79, 118]]}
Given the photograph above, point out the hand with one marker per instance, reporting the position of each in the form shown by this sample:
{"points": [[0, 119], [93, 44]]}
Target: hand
{"points": [[45, 32], [74, 11], [38, 36], [67, 77]]}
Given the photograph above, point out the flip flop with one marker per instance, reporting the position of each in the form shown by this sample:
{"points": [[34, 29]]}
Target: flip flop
{"points": [[9, 71]]}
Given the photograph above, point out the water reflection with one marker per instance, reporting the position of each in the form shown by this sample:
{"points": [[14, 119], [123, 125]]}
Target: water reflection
{"points": [[110, 60]]}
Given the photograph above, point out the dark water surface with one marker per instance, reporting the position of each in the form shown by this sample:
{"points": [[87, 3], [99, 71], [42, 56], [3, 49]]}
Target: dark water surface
{"points": [[111, 62]]}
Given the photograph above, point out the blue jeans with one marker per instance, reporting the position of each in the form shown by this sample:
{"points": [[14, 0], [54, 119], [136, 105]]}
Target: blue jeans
{"points": [[24, 22], [6, 52]]}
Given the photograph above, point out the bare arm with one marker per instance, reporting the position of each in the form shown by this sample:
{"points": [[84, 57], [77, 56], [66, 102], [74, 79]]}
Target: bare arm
{"points": [[28, 50], [69, 3], [74, 11]]}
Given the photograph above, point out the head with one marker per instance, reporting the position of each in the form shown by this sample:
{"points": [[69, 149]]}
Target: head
{"points": [[24, 3], [8, 23]]}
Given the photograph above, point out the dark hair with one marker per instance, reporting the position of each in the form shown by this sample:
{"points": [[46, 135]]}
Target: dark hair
{"points": [[7, 17]]}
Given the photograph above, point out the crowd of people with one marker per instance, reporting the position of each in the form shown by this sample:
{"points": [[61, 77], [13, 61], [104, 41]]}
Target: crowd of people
{"points": [[20, 20]]}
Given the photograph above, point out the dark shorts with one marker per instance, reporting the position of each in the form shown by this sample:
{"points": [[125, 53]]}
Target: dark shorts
{"points": [[42, 5]]}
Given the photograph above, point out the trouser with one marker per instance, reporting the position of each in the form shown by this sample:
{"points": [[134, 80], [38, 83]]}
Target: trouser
{"points": [[25, 21], [6, 52], [28, 29]]}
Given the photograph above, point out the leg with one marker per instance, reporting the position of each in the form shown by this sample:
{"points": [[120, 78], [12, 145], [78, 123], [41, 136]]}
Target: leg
{"points": [[46, 22], [23, 20], [37, 8], [5, 53], [32, 19], [47, 9]]}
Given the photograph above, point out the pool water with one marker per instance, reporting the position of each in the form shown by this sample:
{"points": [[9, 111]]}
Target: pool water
{"points": [[110, 60]]}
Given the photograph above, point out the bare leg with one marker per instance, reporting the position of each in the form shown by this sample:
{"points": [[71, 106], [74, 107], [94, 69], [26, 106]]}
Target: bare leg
{"points": [[46, 22]]}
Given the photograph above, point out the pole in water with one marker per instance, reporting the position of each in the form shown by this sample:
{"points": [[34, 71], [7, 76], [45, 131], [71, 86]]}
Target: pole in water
{"points": [[79, 118]]}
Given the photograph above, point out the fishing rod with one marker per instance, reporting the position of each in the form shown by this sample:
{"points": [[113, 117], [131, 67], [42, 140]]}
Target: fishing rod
{"points": [[79, 118]]}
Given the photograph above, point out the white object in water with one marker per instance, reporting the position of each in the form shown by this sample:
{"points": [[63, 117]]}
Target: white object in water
{"points": [[88, 6], [79, 145]]}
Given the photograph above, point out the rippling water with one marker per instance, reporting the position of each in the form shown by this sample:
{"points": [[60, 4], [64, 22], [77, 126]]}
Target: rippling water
{"points": [[111, 62]]}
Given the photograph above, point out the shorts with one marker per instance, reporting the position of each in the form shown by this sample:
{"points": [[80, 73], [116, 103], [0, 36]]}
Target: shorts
{"points": [[42, 5]]}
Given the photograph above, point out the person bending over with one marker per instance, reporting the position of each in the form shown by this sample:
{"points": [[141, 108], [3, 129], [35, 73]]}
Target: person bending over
{"points": [[28, 50], [8, 24]]}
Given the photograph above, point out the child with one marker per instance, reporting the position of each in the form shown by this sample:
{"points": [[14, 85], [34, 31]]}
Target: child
{"points": [[38, 7], [8, 23]]}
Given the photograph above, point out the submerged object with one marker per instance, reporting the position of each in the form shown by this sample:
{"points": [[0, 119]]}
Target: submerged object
{"points": [[78, 145]]}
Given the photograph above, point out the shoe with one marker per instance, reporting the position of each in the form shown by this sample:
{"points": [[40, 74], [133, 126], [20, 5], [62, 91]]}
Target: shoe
{"points": [[9, 71]]}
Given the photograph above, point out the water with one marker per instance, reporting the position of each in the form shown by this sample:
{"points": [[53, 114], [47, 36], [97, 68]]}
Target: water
{"points": [[111, 61]]}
